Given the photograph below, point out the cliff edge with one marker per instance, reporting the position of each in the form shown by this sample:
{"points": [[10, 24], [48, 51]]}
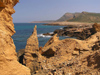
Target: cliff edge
{"points": [[8, 56]]}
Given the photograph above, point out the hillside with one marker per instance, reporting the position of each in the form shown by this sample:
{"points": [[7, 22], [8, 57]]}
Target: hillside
{"points": [[81, 17], [68, 16]]}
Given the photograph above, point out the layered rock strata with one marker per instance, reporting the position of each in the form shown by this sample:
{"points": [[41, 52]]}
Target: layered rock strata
{"points": [[31, 50], [8, 57]]}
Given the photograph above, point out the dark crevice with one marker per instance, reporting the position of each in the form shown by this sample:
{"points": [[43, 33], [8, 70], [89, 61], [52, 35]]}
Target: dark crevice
{"points": [[34, 55], [21, 59], [49, 53]]}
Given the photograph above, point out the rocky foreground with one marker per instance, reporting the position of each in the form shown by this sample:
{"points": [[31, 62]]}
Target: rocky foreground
{"points": [[8, 56], [62, 57]]}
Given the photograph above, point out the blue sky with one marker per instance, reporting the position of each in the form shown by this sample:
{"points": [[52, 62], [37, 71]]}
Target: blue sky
{"points": [[39, 10]]}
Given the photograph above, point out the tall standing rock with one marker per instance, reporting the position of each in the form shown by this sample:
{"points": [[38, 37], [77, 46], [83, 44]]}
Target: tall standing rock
{"points": [[31, 50], [8, 57]]}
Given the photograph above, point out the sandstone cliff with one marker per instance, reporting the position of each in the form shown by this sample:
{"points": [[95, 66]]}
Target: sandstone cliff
{"points": [[8, 57]]}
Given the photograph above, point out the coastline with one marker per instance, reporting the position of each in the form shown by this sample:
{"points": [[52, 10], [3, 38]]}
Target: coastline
{"points": [[80, 30], [68, 23], [66, 54]]}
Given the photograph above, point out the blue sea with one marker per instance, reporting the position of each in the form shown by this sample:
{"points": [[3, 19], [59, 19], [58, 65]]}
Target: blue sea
{"points": [[24, 30]]}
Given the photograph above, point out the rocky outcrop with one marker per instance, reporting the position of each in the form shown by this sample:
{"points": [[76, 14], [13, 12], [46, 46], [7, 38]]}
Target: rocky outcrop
{"points": [[8, 57], [81, 32], [96, 27], [63, 47], [63, 57], [69, 56], [31, 50], [51, 51]]}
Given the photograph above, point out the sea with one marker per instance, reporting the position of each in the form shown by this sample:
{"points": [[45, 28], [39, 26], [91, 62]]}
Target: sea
{"points": [[24, 30]]}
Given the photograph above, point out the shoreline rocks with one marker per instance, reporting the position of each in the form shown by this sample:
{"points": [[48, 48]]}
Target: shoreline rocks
{"points": [[79, 32], [67, 56]]}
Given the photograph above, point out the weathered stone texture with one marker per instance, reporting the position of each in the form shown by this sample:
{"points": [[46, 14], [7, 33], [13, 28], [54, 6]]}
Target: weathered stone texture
{"points": [[8, 57], [31, 50], [96, 27], [62, 57]]}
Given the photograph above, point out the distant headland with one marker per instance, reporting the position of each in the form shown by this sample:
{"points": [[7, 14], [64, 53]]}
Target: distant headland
{"points": [[47, 21]]}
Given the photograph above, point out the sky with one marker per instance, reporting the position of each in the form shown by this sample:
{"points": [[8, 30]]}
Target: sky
{"points": [[41, 10]]}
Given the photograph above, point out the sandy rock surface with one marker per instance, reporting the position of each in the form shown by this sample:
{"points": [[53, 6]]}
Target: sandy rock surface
{"points": [[65, 57], [8, 56]]}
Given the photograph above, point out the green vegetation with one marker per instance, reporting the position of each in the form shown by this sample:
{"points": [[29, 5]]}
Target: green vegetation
{"points": [[81, 17]]}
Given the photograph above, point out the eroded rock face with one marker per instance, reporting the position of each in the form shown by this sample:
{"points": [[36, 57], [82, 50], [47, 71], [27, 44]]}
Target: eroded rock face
{"points": [[61, 47], [51, 51], [31, 50], [62, 57], [71, 56], [8, 57]]}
